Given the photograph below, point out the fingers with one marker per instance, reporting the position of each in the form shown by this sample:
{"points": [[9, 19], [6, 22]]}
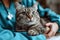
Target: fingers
{"points": [[48, 24], [50, 34], [53, 29], [48, 27], [47, 30], [52, 26]]}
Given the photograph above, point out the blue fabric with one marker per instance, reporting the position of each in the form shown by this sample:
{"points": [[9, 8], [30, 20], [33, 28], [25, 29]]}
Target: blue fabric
{"points": [[7, 26], [6, 35], [24, 36], [53, 16], [28, 3]]}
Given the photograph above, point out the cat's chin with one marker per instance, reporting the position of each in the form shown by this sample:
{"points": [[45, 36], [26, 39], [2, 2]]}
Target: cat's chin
{"points": [[31, 23]]}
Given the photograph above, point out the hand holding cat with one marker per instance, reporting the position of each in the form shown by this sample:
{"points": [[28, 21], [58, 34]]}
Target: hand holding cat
{"points": [[53, 29]]}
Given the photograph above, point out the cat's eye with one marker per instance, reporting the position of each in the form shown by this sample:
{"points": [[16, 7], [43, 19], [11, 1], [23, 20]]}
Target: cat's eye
{"points": [[23, 12], [33, 12]]}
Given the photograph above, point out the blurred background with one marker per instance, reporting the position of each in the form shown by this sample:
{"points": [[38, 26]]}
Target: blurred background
{"points": [[52, 4]]}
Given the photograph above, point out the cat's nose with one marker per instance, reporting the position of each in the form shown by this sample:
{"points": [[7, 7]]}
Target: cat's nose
{"points": [[29, 16], [31, 19]]}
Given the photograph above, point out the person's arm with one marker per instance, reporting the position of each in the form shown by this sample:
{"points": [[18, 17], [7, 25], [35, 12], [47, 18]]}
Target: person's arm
{"points": [[54, 17], [55, 22], [5, 34]]}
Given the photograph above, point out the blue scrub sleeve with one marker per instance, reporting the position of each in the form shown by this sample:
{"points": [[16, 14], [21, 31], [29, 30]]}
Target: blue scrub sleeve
{"points": [[24, 36], [5, 34], [28, 3], [54, 17]]}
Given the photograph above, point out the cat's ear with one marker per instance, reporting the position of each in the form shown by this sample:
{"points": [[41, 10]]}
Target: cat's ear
{"points": [[35, 6], [19, 6]]}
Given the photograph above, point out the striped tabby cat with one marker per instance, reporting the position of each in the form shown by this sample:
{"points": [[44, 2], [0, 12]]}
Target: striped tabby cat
{"points": [[28, 19]]}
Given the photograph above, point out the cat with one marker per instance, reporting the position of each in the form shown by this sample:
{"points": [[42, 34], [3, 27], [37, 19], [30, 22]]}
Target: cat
{"points": [[28, 19]]}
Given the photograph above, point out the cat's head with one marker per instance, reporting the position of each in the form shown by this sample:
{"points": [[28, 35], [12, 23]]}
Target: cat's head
{"points": [[28, 15]]}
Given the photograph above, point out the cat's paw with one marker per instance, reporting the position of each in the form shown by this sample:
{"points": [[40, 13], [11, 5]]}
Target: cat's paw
{"points": [[33, 32]]}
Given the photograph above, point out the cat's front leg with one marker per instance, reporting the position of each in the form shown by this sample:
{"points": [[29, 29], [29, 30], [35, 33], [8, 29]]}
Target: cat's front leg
{"points": [[36, 30], [33, 32]]}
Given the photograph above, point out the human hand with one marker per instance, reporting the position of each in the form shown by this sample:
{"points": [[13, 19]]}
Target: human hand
{"points": [[53, 29]]}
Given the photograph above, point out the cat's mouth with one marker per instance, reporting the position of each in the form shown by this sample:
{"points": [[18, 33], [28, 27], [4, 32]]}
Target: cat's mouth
{"points": [[32, 22]]}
